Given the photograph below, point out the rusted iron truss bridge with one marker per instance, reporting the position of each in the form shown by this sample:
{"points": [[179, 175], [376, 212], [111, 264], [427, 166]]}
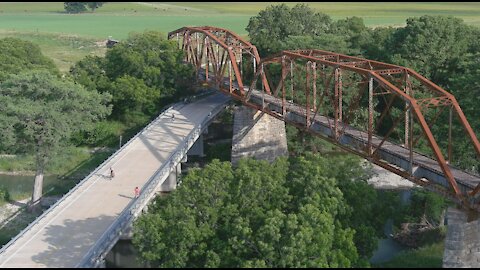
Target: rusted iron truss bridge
{"points": [[387, 114]]}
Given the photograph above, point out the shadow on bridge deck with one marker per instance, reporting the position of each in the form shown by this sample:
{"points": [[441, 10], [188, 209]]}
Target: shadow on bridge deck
{"points": [[60, 238]]}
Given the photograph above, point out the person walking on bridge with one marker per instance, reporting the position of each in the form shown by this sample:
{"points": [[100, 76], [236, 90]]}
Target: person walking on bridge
{"points": [[137, 192], [112, 173]]}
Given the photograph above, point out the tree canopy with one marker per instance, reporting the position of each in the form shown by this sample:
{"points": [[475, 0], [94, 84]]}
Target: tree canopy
{"points": [[78, 7], [39, 112], [279, 27], [18, 55], [141, 73], [432, 45], [441, 48], [285, 214]]}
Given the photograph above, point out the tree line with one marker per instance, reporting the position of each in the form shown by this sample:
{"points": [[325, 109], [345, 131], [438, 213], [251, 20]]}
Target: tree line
{"points": [[443, 49], [296, 212], [43, 111], [79, 7]]}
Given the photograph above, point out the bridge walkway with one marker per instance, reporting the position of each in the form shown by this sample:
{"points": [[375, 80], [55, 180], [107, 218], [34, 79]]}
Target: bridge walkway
{"points": [[63, 235]]}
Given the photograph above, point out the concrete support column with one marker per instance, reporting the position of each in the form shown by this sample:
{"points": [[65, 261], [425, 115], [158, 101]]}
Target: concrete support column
{"points": [[197, 148], [103, 264], [462, 243], [171, 182], [257, 135]]}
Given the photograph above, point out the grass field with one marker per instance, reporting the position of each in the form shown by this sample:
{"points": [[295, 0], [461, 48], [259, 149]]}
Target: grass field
{"points": [[118, 19], [69, 37]]}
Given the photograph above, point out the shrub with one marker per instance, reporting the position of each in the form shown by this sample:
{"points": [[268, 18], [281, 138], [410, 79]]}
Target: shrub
{"points": [[4, 195]]}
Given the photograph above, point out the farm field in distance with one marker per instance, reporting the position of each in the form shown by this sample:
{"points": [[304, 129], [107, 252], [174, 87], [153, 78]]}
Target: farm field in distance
{"points": [[68, 37]]}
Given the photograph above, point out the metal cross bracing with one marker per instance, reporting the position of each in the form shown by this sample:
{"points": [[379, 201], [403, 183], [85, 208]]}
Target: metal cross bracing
{"points": [[386, 113], [218, 52]]}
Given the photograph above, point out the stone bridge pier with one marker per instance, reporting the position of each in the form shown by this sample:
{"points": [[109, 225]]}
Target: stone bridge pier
{"points": [[257, 135], [462, 243]]}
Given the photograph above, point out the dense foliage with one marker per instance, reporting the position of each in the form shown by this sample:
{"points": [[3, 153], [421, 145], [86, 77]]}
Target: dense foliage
{"points": [[297, 213], [279, 27], [78, 7], [17, 55], [39, 112], [142, 73], [442, 48]]}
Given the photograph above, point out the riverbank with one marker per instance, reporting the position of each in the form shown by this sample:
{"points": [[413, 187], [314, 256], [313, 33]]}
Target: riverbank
{"points": [[14, 218]]}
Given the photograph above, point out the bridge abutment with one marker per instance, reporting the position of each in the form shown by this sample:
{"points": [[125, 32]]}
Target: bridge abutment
{"points": [[257, 135], [462, 243]]}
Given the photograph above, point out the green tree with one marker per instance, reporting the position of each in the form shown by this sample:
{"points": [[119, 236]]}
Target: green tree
{"points": [[74, 7], [142, 73], [431, 45], [79, 7], [284, 214], [152, 58], [277, 22], [39, 112], [131, 94], [17, 55], [465, 88], [374, 44], [426, 206], [354, 32], [94, 5], [90, 72]]}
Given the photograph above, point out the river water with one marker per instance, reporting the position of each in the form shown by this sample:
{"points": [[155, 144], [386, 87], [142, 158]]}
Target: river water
{"points": [[19, 185]]}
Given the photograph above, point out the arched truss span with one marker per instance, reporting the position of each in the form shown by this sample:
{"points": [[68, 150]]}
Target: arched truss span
{"points": [[388, 114]]}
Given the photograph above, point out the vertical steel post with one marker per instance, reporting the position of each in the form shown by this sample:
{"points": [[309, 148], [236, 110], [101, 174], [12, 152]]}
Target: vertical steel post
{"points": [[240, 63], [183, 43], [340, 100], [314, 67], [284, 108], [335, 103], [197, 35], [449, 160], [370, 115], [291, 78], [178, 42], [230, 73], [307, 94], [207, 66], [263, 87], [218, 54], [407, 114], [410, 146]]}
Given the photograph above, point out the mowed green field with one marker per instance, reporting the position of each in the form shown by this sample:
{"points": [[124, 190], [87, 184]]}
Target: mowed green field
{"points": [[68, 37], [118, 19]]}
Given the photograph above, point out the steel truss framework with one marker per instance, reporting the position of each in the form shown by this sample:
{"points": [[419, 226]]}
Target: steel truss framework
{"points": [[371, 96]]}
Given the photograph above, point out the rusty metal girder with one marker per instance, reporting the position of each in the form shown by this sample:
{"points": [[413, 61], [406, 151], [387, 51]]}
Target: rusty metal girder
{"points": [[319, 80], [434, 102], [223, 38]]}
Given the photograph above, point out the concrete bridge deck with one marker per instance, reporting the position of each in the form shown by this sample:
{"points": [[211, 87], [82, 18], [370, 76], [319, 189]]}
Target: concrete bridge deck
{"points": [[63, 235]]}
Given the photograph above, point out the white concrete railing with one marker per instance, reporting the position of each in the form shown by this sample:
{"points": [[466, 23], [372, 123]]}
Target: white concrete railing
{"points": [[82, 183], [85, 180], [97, 253]]}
